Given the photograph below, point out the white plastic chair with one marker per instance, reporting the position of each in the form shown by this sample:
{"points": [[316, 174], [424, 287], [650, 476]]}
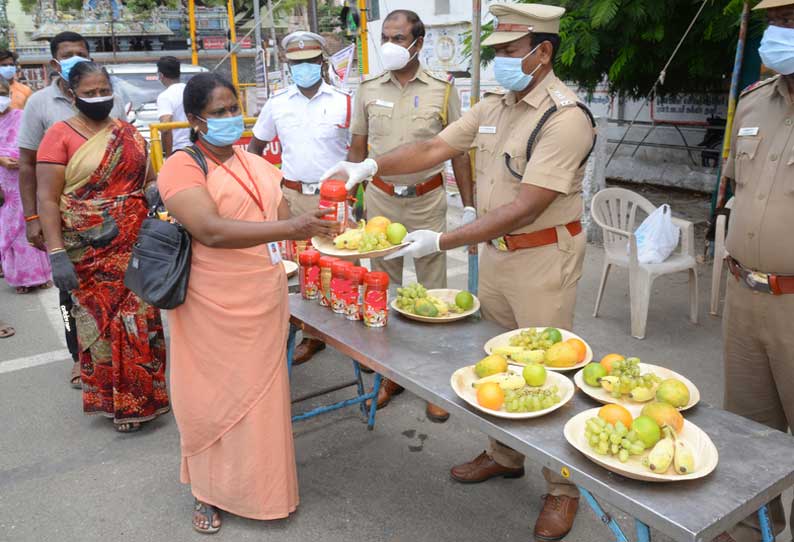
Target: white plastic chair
{"points": [[615, 210], [720, 253]]}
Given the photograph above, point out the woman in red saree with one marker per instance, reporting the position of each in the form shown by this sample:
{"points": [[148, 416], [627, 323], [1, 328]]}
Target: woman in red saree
{"points": [[92, 173]]}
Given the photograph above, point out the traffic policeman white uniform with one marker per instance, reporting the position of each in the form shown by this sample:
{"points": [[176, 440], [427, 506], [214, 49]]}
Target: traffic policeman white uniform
{"points": [[311, 120]]}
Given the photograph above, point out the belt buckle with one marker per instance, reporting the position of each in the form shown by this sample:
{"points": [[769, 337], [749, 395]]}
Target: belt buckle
{"points": [[758, 282], [500, 244], [404, 191], [310, 189]]}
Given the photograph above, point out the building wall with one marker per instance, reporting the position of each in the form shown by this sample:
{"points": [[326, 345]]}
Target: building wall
{"points": [[21, 21]]}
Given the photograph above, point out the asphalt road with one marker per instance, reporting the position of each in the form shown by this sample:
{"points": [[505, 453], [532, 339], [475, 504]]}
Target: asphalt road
{"points": [[68, 477]]}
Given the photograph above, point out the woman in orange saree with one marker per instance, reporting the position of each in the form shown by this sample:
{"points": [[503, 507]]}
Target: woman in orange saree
{"points": [[92, 173], [229, 380]]}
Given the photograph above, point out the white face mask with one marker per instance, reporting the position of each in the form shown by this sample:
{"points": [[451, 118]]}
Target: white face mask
{"points": [[5, 101], [394, 56]]}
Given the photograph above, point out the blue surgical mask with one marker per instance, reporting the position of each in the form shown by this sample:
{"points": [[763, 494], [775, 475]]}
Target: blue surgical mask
{"points": [[306, 74], [223, 132], [8, 72], [510, 75], [68, 63], [777, 49]]}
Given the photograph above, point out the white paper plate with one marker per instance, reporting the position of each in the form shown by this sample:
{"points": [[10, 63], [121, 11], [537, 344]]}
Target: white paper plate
{"points": [[447, 295], [706, 455], [326, 247], [290, 267], [504, 340], [603, 396], [462, 379]]}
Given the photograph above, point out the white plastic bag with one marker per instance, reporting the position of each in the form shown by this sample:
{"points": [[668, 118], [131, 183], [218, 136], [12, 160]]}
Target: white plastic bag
{"points": [[657, 236]]}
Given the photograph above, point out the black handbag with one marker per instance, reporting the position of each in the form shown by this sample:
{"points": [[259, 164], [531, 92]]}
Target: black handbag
{"points": [[159, 268]]}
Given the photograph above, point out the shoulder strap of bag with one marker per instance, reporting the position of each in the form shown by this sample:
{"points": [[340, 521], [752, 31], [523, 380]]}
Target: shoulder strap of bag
{"points": [[197, 156], [539, 126]]}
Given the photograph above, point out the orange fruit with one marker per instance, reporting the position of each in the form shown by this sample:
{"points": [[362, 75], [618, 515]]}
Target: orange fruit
{"points": [[377, 224], [609, 359], [615, 413], [490, 395], [580, 346]]}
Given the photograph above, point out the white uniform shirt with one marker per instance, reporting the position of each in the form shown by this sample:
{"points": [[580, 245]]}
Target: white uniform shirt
{"points": [[313, 133], [169, 102]]}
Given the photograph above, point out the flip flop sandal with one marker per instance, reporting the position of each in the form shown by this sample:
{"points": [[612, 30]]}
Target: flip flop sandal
{"points": [[24, 289], [207, 511], [75, 380], [128, 427], [6, 331], [46, 286]]}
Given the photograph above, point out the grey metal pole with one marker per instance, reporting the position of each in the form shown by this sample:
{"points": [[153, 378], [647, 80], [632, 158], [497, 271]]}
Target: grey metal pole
{"points": [[260, 65], [273, 33], [476, 30], [313, 24]]}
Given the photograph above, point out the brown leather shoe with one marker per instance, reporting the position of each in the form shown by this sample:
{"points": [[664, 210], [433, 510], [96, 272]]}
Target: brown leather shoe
{"points": [[387, 390], [556, 517], [306, 349], [436, 413], [483, 468]]}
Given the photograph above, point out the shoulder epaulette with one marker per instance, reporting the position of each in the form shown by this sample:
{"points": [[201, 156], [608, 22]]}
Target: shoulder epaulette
{"points": [[372, 77], [344, 91], [497, 91], [443, 77], [279, 92], [560, 98], [759, 84]]}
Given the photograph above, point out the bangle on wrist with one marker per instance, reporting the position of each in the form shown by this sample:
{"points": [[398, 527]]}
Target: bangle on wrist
{"points": [[31, 218]]}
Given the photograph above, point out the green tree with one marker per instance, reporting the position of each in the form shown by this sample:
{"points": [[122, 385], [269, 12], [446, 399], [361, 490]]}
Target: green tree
{"points": [[629, 41]]}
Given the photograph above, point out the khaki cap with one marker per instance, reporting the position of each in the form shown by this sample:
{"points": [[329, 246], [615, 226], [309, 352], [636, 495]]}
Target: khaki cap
{"points": [[302, 45], [514, 21]]}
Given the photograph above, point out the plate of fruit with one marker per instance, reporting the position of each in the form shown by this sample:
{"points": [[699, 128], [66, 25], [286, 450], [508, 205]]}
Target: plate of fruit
{"points": [[435, 306], [507, 391], [557, 349], [658, 445], [375, 238], [628, 381]]}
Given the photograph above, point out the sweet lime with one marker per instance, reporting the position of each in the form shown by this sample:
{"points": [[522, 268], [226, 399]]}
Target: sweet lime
{"points": [[395, 233], [593, 372], [553, 334], [534, 374], [464, 300]]}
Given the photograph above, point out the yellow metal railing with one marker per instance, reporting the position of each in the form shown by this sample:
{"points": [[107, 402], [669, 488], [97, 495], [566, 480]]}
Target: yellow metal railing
{"points": [[156, 143]]}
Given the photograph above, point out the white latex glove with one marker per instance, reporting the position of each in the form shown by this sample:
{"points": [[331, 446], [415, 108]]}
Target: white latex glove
{"points": [[469, 215], [423, 243], [354, 173]]}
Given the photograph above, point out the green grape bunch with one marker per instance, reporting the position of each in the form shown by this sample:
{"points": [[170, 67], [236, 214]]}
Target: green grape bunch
{"points": [[613, 440], [532, 339], [530, 399]]}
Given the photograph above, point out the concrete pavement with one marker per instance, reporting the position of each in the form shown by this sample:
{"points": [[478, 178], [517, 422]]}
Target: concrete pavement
{"points": [[68, 477]]}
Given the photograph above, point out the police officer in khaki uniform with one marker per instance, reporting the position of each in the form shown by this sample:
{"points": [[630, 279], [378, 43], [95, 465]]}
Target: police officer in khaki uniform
{"points": [[529, 207], [405, 104], [759, 303]]}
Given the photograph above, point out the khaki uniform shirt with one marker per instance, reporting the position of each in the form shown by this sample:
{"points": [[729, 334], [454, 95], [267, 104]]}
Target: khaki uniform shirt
{"points": [[391, 115], [498, 125], [761, 162]]}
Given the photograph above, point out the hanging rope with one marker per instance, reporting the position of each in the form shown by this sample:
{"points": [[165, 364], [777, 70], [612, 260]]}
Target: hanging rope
{"points": [[659, 80]]}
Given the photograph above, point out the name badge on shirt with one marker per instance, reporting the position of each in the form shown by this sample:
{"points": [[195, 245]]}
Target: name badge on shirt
{"points": [[274, 252], [751, 131], [384, 103], [487, 129]]}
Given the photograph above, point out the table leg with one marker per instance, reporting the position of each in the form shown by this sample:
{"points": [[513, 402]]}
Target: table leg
{"points": [[607, 520], [360, 386], [474, 273], [293, 331], [766, 524], [643, 532], [373, 406]]}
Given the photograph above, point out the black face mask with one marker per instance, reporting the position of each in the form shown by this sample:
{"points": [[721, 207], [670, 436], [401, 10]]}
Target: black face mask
{"points": [[95, 110]]}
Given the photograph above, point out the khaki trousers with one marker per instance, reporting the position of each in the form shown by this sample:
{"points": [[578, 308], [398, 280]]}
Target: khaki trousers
{"points": [[532, 288], [758, 360], [426, 212]]}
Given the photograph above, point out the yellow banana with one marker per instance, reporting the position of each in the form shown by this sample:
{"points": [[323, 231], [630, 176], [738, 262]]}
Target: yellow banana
{"points": [[661, 455], [684, 457], [609, 382], [642, 394]]}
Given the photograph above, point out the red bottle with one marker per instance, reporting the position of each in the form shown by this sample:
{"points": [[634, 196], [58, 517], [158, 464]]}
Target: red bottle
{"points": [[376, 299], [309, 274], [353, 299], [333, 195], [339, 285], [325, 279]]}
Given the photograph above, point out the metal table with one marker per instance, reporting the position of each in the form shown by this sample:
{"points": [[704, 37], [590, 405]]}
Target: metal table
{"points": [[756, 463]]}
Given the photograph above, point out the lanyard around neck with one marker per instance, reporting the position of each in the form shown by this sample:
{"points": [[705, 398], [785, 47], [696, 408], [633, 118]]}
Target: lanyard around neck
{"points": [[258, 197]]}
